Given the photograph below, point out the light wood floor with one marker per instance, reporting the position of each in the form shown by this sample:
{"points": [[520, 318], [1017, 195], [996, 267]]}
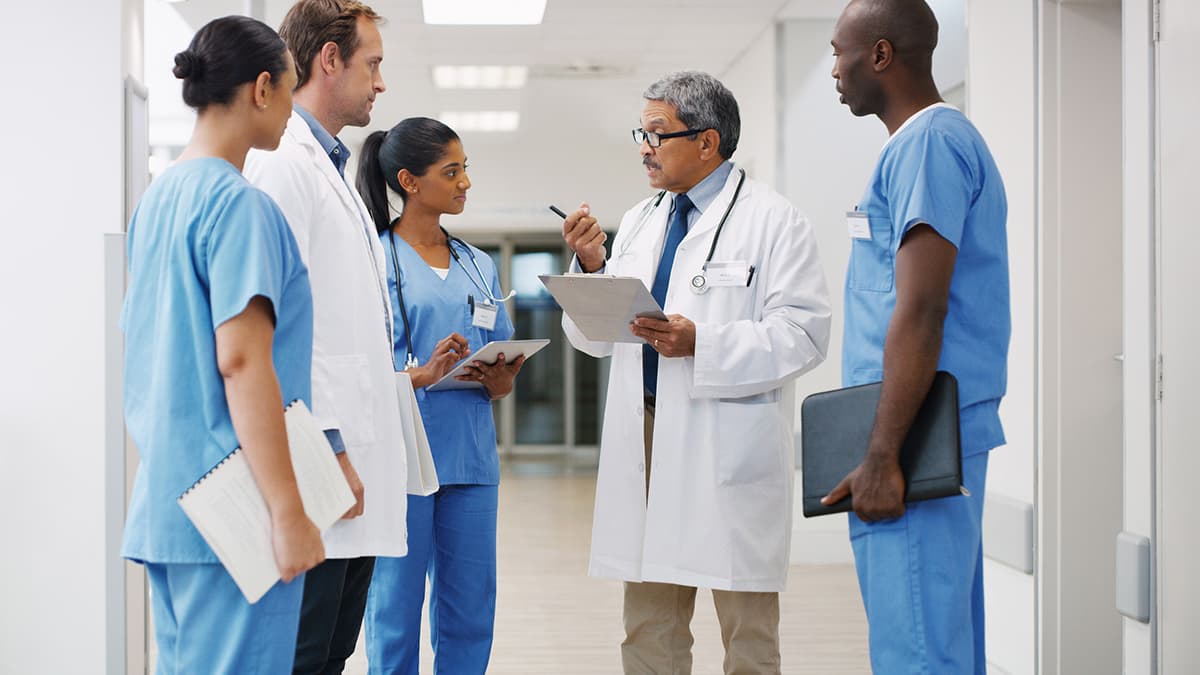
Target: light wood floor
{"points": [[551, 618]]}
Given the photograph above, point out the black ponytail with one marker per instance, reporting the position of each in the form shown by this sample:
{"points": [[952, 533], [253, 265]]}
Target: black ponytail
{"points": [[372, 184], [416, 144]]}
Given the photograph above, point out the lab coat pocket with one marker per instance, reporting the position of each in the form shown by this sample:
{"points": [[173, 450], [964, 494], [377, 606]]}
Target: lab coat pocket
{"points": [[749, 440], [350, 382], [872, 261]]}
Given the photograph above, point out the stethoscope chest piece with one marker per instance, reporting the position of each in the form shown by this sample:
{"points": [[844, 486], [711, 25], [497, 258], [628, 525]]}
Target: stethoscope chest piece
{"points": [[699, 284]]}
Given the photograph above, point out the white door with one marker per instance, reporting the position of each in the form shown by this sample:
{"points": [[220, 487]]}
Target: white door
{"points": [[1079, 479], [1178, 541]]}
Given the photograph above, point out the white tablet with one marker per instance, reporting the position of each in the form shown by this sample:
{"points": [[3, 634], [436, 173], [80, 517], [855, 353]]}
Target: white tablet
{"points": [[489, 354]]}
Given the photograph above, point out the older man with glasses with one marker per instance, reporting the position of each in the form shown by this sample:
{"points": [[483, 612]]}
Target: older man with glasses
{"points": [[696, 459]]}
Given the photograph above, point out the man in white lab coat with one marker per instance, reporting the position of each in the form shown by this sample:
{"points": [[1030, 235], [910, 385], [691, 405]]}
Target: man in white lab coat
{"points": [[338, 49], [696, 458]]}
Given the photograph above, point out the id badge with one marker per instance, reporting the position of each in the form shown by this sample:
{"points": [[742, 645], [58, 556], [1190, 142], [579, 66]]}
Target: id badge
{"points": [[728, 273], [858, 225], [485, 315]]}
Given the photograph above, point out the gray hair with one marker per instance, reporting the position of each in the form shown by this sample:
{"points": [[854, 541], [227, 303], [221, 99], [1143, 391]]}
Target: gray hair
{"points": [[701, 102]]}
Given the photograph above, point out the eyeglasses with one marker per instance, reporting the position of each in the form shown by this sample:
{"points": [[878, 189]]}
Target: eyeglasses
{"points": [[655, 139]]}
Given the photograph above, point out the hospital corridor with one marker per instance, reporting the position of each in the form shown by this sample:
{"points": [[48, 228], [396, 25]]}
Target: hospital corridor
{"points": [[453, 337], [551, 619]]}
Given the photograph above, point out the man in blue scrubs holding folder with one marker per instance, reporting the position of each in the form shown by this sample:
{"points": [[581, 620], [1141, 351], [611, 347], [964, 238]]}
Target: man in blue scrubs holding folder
{"points": [[926, 290]]}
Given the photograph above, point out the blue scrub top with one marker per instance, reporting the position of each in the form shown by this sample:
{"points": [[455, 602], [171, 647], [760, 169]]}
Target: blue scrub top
{"points": [[459, 423], [202, 243], [938, 170]]}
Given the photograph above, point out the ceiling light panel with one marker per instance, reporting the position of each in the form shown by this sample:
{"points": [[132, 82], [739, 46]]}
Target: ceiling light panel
{"points": [[482, 120], [484, 12], [480, 77]]}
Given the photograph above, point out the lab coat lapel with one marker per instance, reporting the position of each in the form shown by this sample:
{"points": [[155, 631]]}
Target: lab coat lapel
{"points": [[348, 196], [350, 199], [649, 237]]}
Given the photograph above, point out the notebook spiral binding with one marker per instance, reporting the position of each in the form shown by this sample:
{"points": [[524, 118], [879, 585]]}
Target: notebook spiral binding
{"points": [[228, 457]]}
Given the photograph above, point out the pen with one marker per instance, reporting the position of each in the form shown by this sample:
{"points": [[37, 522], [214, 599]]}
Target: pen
{"points": [[558, 211], [471, 303], [750, 276]]}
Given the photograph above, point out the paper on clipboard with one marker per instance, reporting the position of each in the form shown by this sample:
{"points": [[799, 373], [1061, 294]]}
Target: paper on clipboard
{"points": [[422, 475], [488, 354], [603, 306]]}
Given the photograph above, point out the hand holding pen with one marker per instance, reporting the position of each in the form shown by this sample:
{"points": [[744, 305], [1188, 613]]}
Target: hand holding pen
{"points": [[583, 235]]}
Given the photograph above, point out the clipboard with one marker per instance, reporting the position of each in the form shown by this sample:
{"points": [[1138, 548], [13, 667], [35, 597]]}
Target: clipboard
{"points": [[489, 354], [836, 426], [601, 305]]}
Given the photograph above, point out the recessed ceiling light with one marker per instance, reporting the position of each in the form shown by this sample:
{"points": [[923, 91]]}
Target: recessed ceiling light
{"points": [[482, 120], [480, 77], [484, 12]]}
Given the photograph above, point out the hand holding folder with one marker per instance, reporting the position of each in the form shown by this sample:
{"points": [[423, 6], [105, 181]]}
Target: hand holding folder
{"points": [[836, 428]]}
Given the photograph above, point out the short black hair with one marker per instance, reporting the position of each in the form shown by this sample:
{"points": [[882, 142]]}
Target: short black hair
{"points": [[225, 54], [909, 25]]}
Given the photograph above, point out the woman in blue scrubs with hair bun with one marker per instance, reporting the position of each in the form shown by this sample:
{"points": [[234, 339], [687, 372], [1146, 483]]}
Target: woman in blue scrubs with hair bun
{"points": [[446, 294], [218, 337]]}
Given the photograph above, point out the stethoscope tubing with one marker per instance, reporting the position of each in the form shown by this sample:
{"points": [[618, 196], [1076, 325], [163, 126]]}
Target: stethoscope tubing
{"points": [[700, 281], [411, 360]]}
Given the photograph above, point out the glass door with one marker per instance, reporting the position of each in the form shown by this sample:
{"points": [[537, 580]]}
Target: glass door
{"points": [[557, 403]]}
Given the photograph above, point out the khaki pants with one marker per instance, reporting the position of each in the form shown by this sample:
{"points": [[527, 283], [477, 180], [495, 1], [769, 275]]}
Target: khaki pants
{"points": [[658, 636]]}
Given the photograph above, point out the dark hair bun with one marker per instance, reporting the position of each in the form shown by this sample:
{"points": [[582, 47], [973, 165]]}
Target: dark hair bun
{"points": [[188, 65]]}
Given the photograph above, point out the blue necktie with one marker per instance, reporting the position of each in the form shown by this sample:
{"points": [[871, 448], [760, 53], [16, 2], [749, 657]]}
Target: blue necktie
{"points": [[676, 230]]}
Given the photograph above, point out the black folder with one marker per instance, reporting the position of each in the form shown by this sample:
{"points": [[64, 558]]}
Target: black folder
{"points": [[836, 426]]}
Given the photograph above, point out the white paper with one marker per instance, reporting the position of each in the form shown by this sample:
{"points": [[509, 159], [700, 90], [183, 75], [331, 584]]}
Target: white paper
{"points": [[422, 474], [603, 306], [228, 509]]}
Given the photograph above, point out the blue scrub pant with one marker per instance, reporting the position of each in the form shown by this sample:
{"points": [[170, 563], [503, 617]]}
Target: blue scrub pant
{"points": [[452, 538], [203, 623], [921, 577]]}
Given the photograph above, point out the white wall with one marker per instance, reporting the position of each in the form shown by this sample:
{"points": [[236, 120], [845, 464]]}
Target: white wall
{"points": [[1177, 545], [1080, 282], [1001, 100], [825, 160], [752, 79], [1139, 309], [66, 124]]}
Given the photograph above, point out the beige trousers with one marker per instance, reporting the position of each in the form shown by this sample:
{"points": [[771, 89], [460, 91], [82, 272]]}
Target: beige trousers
{"points": [[658, 635]]}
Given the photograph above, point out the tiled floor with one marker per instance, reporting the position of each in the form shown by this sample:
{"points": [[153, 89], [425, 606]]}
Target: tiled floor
{"points": [[552, 618]]}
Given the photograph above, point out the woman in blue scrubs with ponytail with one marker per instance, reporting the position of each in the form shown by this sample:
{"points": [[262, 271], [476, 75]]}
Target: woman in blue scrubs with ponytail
{"points": [[447, 297], [218, 337]]}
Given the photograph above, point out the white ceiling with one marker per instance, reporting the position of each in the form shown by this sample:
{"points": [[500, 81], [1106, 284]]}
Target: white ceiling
{"points": [[634, 41]]}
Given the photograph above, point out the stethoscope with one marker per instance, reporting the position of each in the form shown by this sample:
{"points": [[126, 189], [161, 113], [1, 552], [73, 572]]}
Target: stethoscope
{"points": [[699, 282], [411, 360]]}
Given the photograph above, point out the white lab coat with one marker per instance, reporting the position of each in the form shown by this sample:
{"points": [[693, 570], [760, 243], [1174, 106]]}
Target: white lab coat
{"points": [[353, 386], [719, 513]]}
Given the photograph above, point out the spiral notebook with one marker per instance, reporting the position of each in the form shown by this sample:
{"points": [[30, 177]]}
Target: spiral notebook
{"points": [[228, 509]]}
